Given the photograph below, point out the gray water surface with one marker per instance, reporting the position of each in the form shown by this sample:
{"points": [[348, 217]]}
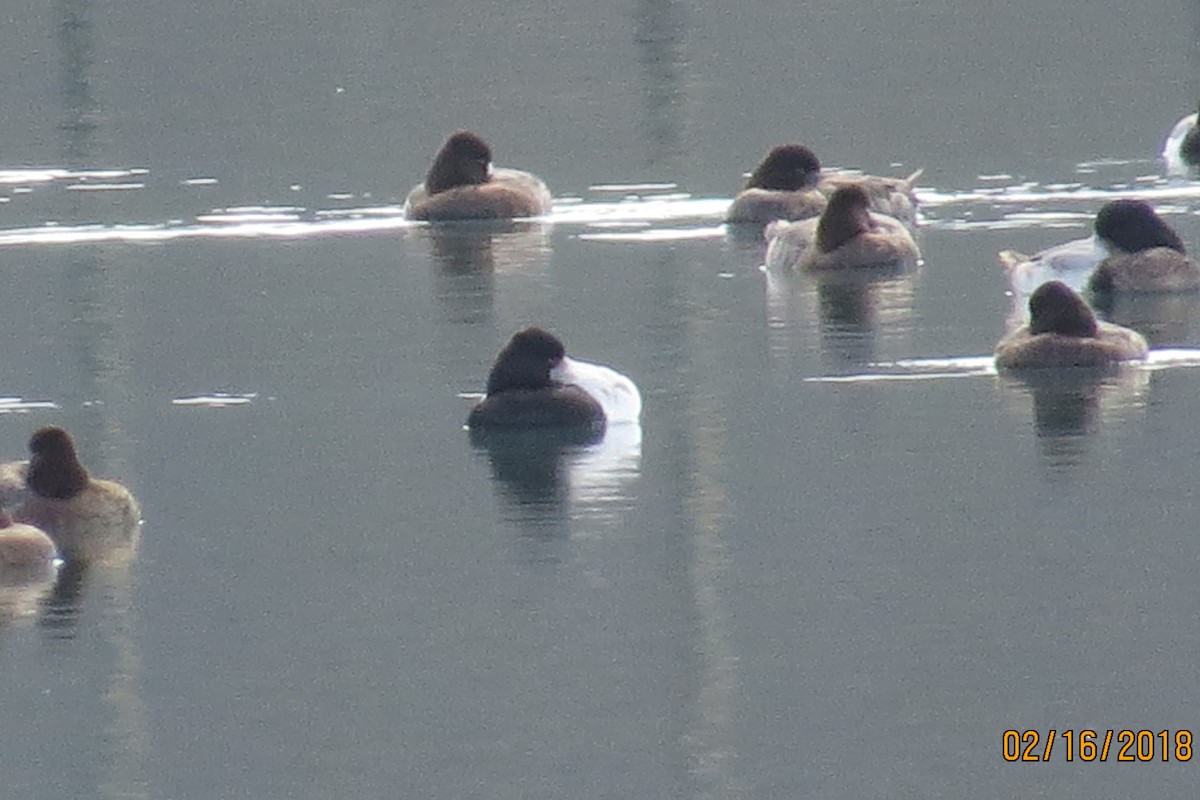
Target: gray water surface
{"points": [[839, 557]]}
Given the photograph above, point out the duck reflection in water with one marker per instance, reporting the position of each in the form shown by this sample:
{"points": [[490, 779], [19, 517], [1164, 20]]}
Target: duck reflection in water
{"points": [[548, 479], [468, 257], [1071, 407]]}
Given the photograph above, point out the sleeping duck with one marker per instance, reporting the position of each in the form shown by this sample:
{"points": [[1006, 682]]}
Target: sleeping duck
{"points": [[462, 184], [533, 384], [83, 515], [847, 235], [1063, 332]]}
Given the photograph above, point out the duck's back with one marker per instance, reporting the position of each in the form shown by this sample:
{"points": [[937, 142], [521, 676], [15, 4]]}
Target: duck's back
{"points": [[1159, 269], [1112, 345], [104, 517], [760, 206], [510, 194]]}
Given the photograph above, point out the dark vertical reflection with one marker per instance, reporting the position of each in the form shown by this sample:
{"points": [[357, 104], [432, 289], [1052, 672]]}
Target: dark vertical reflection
{"points": [[660, 29], [465, 267], [81, 112], [95, 311], [695, 450]]}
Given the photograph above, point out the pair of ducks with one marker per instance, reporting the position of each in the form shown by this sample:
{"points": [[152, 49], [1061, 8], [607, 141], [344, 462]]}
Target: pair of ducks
{"points": [[60, 507], [1131, 250]]}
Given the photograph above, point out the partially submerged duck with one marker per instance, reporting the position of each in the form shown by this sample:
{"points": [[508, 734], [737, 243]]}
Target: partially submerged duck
{"points": [[1132, 249], [84, 516], [534, 385], [1181, 150], [789, 184], [848, 235], [1063, 332], [462, 184]]}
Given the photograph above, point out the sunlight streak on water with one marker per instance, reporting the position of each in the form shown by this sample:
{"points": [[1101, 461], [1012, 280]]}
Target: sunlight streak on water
{"points": [[920, 369], [643, 204], [241, 222], [215, 400], [17, 405]]}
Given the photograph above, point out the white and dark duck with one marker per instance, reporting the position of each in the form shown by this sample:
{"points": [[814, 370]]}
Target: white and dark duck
{"points": [[1132, 249], [534, 385], [1181, 150]]}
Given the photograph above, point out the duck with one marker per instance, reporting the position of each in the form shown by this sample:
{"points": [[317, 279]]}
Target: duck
{"points": [[1145, 253], [1128, 238], [1181, 150], [1063, 332], [894, 197], [533, 384], [53, 491], [462, 184], [23, 547], [847, 235], [789, 184], [782, 186]]}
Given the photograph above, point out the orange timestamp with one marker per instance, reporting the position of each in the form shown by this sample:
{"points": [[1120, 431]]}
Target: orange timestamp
{"points": [[1089, 745]]}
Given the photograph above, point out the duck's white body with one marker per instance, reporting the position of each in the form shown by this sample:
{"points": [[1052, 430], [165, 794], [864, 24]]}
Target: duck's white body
{"points": [[616, 393], [1172, 158], [1070, 262]]}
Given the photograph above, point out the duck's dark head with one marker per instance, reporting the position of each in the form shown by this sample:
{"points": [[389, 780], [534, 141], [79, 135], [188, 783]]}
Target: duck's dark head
{"points": [[54, 469], [1133, 226], [846, 216], [464, 160], [787, 168], [1055, 308], [526, 361]]}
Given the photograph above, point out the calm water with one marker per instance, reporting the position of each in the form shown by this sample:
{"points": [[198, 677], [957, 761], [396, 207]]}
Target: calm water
{"points": [[839, 558]]}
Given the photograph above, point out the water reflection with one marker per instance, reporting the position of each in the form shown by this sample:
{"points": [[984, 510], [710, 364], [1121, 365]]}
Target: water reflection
{"points": [[548, 479], [468, 255], [659, 33], [850, 309], [22, 592], [1070, 406], [95, 351]]}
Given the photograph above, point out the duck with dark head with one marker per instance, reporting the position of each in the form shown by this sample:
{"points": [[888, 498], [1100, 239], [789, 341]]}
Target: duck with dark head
{"points": [[782, 186], [85, 516], [462, 184], [1063, 332], [789, 184], [1145, 254], [847, 236], [534, 385]]}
